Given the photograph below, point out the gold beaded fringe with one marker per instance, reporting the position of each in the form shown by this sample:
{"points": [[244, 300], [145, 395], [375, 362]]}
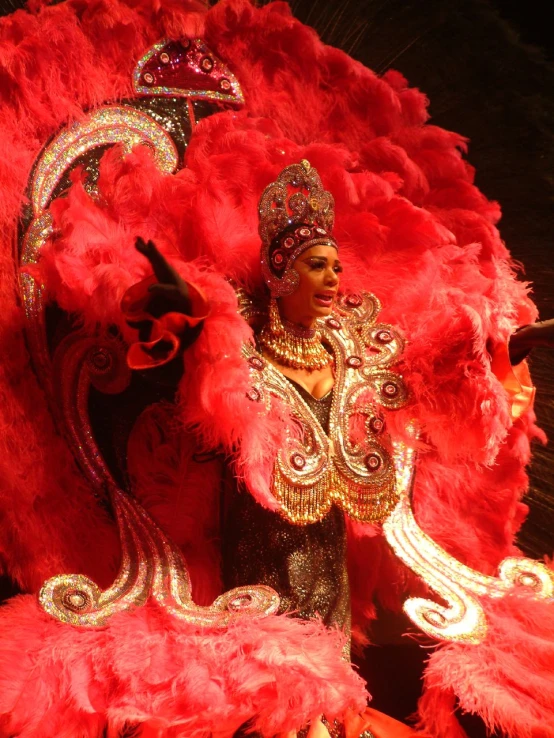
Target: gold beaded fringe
{"points": [[308, 504]]}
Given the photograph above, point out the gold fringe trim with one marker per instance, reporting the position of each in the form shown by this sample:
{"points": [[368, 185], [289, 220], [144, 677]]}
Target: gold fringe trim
{"points": [[304, 504]]}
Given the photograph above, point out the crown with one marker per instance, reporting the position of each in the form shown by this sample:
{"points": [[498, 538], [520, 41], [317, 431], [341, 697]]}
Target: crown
{"points": [[296, 213], [296, 197]]}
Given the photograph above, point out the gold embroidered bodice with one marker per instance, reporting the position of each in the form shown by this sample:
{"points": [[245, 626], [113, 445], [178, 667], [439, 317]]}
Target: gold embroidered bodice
{"points": [[352, 465], [305, 564]]}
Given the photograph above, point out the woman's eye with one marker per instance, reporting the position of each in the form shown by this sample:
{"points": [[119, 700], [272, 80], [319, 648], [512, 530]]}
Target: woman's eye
{"points": [[338, 269], [317, 264]]}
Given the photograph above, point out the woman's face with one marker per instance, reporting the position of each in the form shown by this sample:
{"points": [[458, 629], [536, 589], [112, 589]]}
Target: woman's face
{"points": [[319, 269]]}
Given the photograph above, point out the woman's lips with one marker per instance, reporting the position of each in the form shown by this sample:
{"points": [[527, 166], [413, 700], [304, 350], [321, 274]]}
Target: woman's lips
{"points": [[324, 300]]}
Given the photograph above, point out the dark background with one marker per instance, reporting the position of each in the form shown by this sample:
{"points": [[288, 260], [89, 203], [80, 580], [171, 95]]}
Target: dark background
{"points": [[488, 69]]}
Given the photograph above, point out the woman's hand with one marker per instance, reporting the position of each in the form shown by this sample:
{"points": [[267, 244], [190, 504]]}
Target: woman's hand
{"points": [[528, 337], [170, 294]]}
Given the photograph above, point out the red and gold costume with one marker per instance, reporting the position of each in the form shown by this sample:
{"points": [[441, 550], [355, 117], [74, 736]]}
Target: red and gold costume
{"points": [[148, 598]]}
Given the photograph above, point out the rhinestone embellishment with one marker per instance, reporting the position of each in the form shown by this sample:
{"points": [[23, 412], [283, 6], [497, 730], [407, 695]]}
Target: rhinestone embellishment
{"points": [[207, 64], [528, 580], [100, 360], [354, 300], [75, 600], [373, 462], [377, 425], [243, 602], [318, 468], [185, 68], [384, 336], [435, 618], [298, 461]]}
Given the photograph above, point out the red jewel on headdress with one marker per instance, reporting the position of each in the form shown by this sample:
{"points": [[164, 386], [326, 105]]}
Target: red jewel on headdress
{"points": [[289, 242], [207, 64], [148, 78], [225, 84], [304, 232], [278, 259], [164, 58], [321, 231]]}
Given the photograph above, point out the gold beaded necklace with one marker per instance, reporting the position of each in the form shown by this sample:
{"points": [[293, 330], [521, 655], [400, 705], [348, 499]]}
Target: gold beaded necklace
{"points": [[291, 345]]}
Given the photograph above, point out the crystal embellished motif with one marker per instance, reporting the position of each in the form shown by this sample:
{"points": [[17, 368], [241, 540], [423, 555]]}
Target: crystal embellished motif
{"points": [[463, 617], [107, 125], [315, 471], [185, 68], [151, 565]]}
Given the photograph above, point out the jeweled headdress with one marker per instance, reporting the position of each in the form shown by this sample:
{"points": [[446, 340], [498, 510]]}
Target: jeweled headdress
{"points": [[296, 213]]}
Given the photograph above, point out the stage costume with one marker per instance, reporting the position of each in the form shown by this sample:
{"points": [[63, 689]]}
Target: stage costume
{"points": [[170, 123]]}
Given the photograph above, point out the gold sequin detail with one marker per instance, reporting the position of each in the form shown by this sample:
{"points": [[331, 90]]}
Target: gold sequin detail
{"points": [[306, 565], [150, 567], [278, 208]]}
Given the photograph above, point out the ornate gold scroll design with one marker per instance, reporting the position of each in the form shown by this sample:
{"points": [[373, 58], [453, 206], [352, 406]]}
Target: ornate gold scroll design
{"points": [[463, 618], [313, 470], [151, 565]]}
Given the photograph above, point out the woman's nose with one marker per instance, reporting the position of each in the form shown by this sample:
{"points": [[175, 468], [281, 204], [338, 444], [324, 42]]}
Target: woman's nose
{"points": [[331, 278]]}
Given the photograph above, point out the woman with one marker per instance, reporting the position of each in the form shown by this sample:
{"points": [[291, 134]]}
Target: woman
{"points": [[313, 352]]}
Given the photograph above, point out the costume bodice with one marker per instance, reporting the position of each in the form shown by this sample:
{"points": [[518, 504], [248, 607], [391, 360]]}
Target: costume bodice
{"points": [[306, 564], [351, 464]]}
